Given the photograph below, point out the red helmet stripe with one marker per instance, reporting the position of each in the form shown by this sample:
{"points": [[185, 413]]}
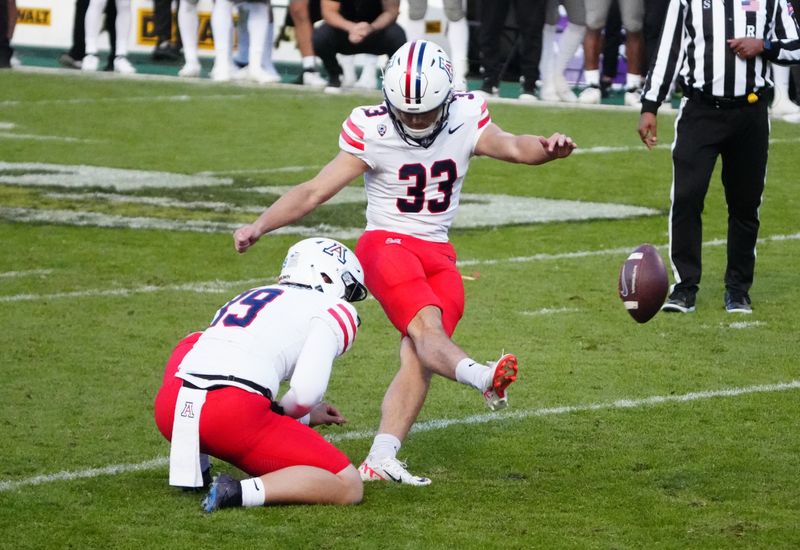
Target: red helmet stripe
{"points": [[409, 65]]}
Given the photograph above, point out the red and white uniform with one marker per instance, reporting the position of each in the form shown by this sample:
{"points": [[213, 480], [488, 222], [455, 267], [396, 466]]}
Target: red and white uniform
{"points": [[260, 338], [274, 333], [412, 190]]}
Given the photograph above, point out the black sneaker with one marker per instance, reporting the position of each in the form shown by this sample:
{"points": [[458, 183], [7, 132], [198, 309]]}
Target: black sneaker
{"points": [[738, 302], [334, 85], [66, 60], [680, 301], [166, 51], [225, 492]]}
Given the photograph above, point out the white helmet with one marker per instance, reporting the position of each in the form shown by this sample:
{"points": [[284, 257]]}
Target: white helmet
{"points": [[418, 79], [325, 265]]}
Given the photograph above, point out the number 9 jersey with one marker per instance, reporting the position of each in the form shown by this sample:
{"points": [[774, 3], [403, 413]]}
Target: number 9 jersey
{"points": [[414, 190]]}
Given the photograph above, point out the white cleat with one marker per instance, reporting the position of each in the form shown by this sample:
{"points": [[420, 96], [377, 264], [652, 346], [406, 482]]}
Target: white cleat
{"points": [[564, 90], [505, 372], [90, 63], [313, 78], [633, 97], [190, 70], [260, 76], [221, 72], [389, 469], [590, 96], [368, 81], [123, 66]]}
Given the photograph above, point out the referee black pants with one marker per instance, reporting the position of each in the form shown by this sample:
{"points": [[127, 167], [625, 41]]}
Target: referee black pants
{"points": [[740, 136]]}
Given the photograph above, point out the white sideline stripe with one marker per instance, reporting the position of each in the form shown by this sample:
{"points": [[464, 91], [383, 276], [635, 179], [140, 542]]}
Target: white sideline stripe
{"points": [[549, 311], [603, 252], [218, 286], [37, 137], [213, 287], [28, 273], [7, 125], [430, 425], [114, 100]]}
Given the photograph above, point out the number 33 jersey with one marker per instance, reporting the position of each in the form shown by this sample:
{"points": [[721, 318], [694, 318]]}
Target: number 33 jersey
{"points": [[410, 189]]}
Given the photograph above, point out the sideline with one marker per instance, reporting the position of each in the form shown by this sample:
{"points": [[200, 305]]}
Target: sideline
{"points": [[430, 425]]}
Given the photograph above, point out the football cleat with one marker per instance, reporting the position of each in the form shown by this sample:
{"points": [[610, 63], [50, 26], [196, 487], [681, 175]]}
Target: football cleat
{"points": [[389, 469], [505, 372], [225, 492]]}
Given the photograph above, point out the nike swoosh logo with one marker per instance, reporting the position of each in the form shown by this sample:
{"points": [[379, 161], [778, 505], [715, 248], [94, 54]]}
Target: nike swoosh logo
{"points": [[454, 130], [390, 476], [256, 484]]}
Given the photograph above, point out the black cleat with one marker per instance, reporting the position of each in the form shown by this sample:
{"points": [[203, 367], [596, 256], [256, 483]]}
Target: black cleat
{"points": [[225, 492], [680, 301], [738, 302]]}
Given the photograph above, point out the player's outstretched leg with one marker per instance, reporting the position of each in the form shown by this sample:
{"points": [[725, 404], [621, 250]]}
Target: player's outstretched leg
{"points": [[505, 372], [389, 469]]}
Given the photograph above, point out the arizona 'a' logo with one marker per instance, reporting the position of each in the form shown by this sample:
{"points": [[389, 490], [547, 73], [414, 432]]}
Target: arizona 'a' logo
{"points": [[337, 251], [188, 409]]}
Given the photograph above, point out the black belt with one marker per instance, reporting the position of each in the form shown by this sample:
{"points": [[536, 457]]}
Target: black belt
{"points": [[725, 102], [228, 378]]}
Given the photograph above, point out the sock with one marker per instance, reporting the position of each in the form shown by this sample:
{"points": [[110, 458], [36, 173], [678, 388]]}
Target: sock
{"points": [[474, 374], [546, 67], [309, 62], [415, 29], [257, 22], [221, 26], [93, 24], [266, 59], [571, 39], [253, 493], [592, 78], [633, 81], [123, 26], [188, 25], [384, 446], [458, 38], [243, 35]]}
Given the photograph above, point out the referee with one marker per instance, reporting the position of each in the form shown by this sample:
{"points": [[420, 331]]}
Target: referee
{"points": [[720, 50]]}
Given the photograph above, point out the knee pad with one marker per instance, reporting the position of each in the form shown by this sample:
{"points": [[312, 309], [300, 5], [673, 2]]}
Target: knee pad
{"points": [[417, 9], [454, 10]]}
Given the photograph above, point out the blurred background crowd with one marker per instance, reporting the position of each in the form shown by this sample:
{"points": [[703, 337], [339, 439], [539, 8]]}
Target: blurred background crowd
{"points": [[556, 50]]}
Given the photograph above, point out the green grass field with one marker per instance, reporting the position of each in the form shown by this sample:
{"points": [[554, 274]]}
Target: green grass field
{"points": [[680, 433]]}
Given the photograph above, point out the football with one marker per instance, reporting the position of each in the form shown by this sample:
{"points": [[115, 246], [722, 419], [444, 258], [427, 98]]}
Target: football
{"points": [[643, 283]]}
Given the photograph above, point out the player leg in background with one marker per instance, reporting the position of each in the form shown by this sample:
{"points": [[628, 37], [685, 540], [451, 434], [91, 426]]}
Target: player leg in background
{"points": [[122, 25], [5, 46], [571, 39], [188, 25], [222, 29], [257, 28], [530, 14], [93, 24], [633, 22], [596, 15], [458, 38], [782, 104], [368, 79], [301, 18]]}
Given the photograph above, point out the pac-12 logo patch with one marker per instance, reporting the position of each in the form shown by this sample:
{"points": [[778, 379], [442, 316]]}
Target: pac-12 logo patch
{"points": [[381, 130], [337, 251]]}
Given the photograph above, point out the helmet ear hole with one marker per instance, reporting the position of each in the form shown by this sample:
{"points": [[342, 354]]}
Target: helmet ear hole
{"points": [[326, 279]]}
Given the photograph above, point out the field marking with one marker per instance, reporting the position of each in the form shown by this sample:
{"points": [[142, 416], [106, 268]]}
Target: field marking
{"points": [[37, 137], [430, 425], [218, 286], [26, 273], [7, 125], [549, 311], [747, 324], [177, 98]]}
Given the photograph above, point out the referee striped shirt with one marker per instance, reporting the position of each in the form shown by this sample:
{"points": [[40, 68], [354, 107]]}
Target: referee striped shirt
{"points": [[694, 43]]}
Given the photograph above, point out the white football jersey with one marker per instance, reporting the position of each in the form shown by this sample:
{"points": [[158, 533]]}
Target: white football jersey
{"points": [[259, 335], [412, 190]]}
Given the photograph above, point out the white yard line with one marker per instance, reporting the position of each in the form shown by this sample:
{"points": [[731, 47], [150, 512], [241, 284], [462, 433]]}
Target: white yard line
{"points": [[430, 425], [178, 98], [27, 273], [37, 137], [218, 286], [549, 311]]}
